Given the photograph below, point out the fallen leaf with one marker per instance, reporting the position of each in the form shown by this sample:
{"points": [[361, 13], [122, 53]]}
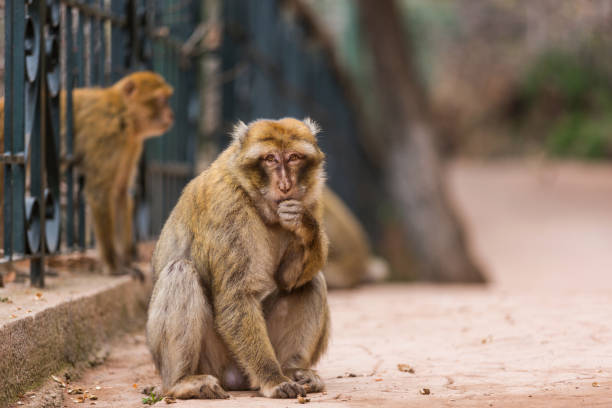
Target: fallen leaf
{"points": [[73, 391], [405, 368], [39, 295], [170, 400], [378, 379], [302, 400], [424, 391], [13, 316], [134, 385], [595, 384], [93, 397], [58, 381]]}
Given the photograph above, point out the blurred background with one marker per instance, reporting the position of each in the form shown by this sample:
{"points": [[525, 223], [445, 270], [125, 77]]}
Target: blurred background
{"points": [[471, 140], [477, 140]]}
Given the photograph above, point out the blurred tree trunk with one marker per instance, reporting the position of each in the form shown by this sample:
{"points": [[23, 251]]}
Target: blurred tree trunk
{"points": [[410, 160]]}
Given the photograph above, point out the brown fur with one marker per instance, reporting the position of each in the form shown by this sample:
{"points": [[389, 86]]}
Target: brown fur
{"points": [[110, 126], [239, 296], [350, 260]]}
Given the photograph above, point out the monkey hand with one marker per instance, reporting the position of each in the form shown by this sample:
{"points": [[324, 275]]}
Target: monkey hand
{"points": [[286, 389], [290, 214]]}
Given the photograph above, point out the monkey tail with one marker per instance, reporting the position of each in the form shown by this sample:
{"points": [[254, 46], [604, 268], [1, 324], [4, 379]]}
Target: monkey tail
{"points": [[377, 270], [176, 323]]}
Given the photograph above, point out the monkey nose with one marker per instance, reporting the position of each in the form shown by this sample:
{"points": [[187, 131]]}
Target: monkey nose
{"points": [[284, 187]]}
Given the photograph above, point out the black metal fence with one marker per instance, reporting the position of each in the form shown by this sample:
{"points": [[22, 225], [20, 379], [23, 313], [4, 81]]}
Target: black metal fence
{"points": [[62, 44]]}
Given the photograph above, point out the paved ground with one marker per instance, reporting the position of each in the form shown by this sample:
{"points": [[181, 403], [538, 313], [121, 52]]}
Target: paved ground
{"points": [[539, 336]]}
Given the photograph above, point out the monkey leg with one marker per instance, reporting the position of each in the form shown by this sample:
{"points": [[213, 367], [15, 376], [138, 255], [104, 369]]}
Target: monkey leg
{"points": [[125, 225], [179, 316], [298, 325], [103, 220]]}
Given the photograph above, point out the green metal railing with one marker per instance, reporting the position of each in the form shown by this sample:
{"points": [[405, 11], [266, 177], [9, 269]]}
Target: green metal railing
{"points": [[44, 213]]}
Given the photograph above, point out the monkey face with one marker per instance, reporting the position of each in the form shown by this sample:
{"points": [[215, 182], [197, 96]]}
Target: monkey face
{"points": [[282, 169], [281, 159], [148, 98]]}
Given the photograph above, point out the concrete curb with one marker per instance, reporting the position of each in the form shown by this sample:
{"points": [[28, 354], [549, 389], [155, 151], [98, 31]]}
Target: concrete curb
{"points": [[35, 346]]}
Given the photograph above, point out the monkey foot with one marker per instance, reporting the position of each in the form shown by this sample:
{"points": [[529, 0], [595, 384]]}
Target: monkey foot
{"points": [[133, 271], [286, 389], [198, 386], [306, 377]]}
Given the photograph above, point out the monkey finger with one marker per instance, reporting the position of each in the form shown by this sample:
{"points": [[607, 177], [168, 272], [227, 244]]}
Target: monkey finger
{"points": [[289, 211], [296, 207], [291, 204], [289, 216], [292, 389], [220, 392]]}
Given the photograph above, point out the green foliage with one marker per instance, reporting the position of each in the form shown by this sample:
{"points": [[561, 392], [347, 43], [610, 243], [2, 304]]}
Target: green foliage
{"points": [[152, 399], [571, 99]]}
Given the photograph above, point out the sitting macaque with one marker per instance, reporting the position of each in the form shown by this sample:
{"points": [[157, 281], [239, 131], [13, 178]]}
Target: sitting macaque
{"points": [[239, 300], [110, 126], [350, 260]]}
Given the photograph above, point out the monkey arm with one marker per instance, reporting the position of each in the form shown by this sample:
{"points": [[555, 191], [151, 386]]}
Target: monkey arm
{"points": [[315, 243], [240, 322]]}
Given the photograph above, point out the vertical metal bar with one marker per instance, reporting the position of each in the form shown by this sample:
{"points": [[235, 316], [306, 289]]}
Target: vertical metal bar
{"points": [[93, 48], [70, 80], [102, 77], [17, 172], [9, 28], [117, 42], [81, 82], [81, 214], [38, 141]]}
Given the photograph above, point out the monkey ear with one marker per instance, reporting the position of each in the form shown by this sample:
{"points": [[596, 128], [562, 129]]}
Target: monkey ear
{"points": [[239, 131], [312, 126], [128, 87]]}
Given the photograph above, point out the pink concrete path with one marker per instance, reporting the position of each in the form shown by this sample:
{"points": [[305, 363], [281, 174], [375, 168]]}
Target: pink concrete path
{"points": [[539, 336]]}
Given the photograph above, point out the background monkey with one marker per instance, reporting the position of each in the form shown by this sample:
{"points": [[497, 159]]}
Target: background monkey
{"points": [[110, 126], [239, 301], [350, 259]]}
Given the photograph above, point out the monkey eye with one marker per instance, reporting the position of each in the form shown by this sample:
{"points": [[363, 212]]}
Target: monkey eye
{"points": [[270, 158], [294, 157]]}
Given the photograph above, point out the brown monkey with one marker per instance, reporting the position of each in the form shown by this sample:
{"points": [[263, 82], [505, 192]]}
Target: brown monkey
{"points": [[350, 259], [110, 126], [239, 301]]}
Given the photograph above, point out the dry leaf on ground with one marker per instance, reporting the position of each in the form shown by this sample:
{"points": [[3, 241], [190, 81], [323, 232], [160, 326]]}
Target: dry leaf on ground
{"points": [[405, 368]]}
